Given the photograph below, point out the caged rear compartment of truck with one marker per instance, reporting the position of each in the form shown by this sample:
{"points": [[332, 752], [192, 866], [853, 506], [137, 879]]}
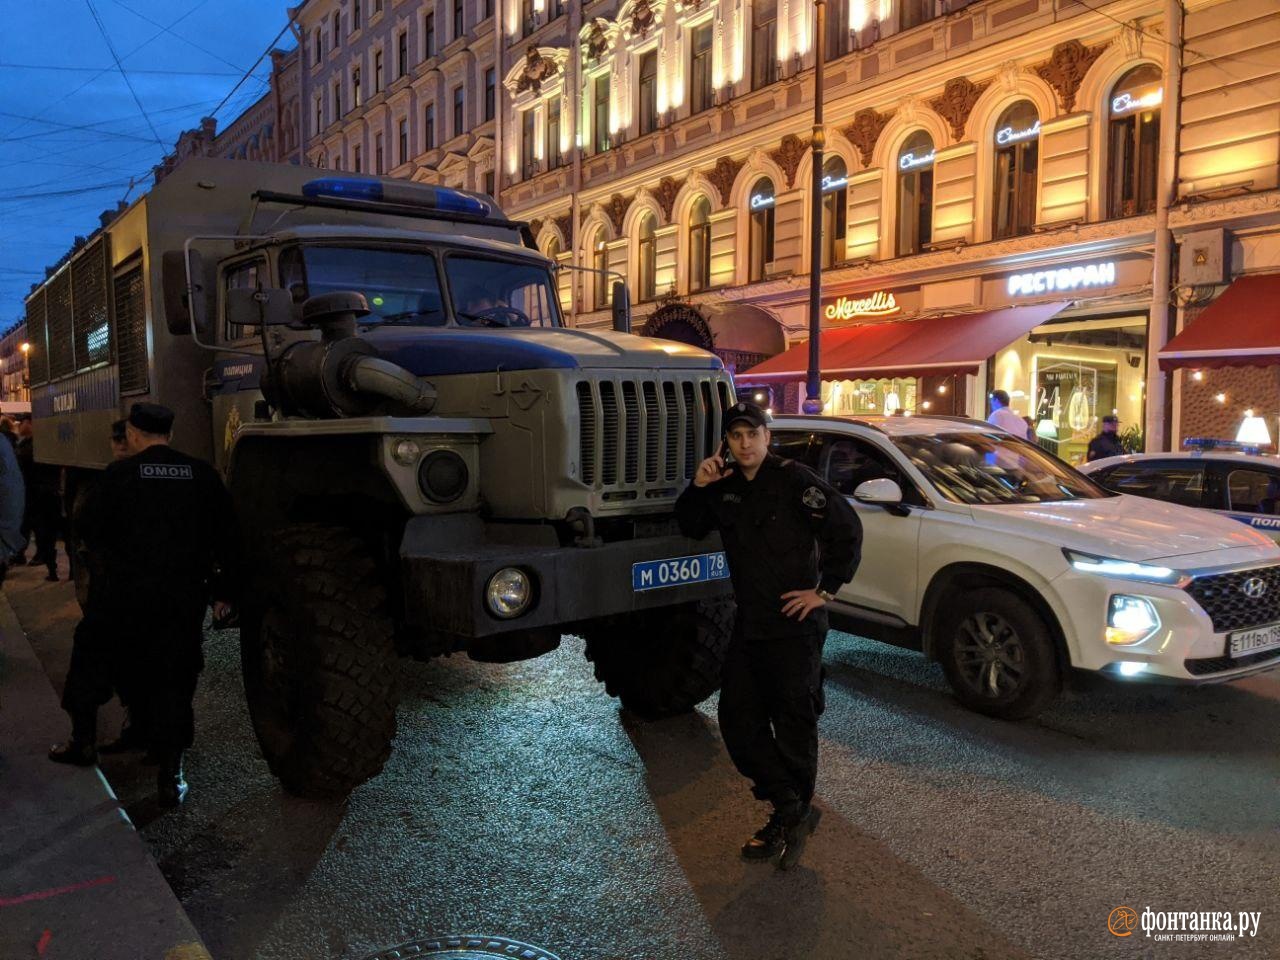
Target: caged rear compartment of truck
{"points": [[424, 458]]}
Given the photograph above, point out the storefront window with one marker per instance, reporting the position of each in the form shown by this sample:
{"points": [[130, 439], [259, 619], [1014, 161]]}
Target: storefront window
{"points": [[1017, 161], [884, 396], [1067, 375], [915, 193], [1133, 142], [700, 245], [835, 204], [762, 203]]}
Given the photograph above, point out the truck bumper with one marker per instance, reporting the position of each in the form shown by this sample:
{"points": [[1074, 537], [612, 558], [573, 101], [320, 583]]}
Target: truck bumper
{"points": [[447, 562]]}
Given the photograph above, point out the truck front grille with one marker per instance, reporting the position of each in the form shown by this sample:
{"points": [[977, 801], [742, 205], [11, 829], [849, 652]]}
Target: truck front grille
{"points": [[642, 437], [1230, 608]]}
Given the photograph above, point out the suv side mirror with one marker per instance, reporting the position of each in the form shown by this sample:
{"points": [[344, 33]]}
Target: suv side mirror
{"points": [[179, 308], [882, 492], [252, 308], [621, 303]]}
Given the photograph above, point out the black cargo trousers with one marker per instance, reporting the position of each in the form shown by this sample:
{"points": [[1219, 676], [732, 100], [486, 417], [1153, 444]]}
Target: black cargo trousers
{"points": [[770, 700]]}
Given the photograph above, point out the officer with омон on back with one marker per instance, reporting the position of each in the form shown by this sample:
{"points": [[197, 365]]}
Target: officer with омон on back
{"points": [[791, 541], [161, 526]]}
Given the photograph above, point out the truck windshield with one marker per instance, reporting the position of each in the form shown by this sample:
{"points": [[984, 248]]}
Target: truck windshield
{"points": [[993, 468], [404, 286]]}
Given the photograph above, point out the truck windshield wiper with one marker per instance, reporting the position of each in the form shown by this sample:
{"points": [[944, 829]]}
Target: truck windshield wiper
{"points": [[404, 315]]}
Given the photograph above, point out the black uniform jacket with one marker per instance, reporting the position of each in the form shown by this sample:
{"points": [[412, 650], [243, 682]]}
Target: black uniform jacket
{"points": [[1104, 445], [161, 528], [778, 530]]}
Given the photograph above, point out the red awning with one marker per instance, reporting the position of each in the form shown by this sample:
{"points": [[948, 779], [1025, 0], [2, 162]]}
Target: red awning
{"points": [[930, 346], [1239, 329]]}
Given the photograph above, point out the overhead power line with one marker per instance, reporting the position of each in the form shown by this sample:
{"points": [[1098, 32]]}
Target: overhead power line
{"points": [[249, 72], [120, 66], [66, 68]]}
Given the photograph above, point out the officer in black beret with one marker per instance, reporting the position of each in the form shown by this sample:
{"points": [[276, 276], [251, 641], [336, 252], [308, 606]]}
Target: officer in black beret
{"points": [[161, 525], [791, 541]]}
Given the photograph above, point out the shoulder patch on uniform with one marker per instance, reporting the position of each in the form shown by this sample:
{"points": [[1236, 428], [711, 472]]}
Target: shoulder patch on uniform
{"points": [[813, 498]]}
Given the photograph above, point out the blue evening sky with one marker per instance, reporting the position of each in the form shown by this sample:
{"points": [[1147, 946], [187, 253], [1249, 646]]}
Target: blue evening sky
{"points": [[71, 133]]}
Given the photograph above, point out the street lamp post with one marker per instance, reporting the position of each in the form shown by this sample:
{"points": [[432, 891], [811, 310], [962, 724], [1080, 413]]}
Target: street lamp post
{"points": [[813, 384]]}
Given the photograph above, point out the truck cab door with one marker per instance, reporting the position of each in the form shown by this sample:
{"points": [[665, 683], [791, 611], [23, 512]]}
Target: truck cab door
{"points": [[233, 383]]}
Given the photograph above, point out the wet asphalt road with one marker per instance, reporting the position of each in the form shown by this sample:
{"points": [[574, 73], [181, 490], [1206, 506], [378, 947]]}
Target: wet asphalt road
{"points": [[520, 802]]}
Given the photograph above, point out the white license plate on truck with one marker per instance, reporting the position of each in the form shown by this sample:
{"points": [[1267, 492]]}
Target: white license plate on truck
{"points": [[1254, 641], [656, 574]]}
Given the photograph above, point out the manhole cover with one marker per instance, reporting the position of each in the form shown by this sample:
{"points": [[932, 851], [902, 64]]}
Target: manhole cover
{"points": [[464, 948]]}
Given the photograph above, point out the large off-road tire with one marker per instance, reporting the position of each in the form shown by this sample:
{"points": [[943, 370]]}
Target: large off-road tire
{"points": [[318, 653], [663, 662], [998, 654]]}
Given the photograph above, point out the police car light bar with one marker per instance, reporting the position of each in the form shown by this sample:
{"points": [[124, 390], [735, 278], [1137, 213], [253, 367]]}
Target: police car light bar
{"points": [[1201, 444], [421, 195]]}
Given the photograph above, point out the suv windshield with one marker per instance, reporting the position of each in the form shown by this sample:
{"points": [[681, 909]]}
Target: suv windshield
{"points": [[404, 286], [992, 468]]}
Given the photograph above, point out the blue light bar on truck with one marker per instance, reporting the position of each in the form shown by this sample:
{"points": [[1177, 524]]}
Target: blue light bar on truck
{"points": [[409, 194], [1201, 444]]}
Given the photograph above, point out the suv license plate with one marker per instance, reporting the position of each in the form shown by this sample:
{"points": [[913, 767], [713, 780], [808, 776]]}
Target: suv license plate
{"points": [[656, 574], [1254, 641]]}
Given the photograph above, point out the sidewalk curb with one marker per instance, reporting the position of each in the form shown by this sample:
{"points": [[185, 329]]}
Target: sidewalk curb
{"points": [[76, 880]]}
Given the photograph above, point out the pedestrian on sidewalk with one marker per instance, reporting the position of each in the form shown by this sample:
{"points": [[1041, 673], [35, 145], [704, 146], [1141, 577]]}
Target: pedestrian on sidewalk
{"points": [[1107, 442], [13, 498], [161, 529], [791, 541]]}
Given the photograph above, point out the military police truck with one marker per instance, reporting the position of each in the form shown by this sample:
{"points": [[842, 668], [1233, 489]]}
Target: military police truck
{"points": [[424, 458]]}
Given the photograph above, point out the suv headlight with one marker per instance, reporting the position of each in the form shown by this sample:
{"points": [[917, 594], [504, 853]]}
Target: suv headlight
{"points": [[1131, 620], [508, 593], [1125, 569]]}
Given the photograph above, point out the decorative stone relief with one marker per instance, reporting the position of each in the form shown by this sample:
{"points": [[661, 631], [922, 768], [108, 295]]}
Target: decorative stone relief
{"points": [[788, 156], [617, 211], [1066, 69], [957, 101], [537, 68], [1131, 39], [1008, 75], [865, 131], [535, 227], [565, 225], [668, 189], [641, 18], [723, 176], [597, 41]]}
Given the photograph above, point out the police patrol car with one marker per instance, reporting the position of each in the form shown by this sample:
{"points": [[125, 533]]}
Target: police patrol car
{"points": [[1012, 569], [1229, 478]]}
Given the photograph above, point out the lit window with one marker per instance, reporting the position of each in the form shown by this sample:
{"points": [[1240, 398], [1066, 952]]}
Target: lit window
{"points": [[647, 259], [700, 245], [760, 253], [1017, 164], [915, 194], [835, 202], [1133, 142]]}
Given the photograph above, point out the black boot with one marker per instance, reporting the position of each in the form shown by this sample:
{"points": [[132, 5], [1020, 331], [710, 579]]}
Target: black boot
{"points": [[796, 834], [81, 750], [767, 841], [171, 785]]}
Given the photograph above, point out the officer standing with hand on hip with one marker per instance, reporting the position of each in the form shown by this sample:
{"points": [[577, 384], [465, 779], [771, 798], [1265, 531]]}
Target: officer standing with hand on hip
{"points": [[791, 541], [161, 525]]}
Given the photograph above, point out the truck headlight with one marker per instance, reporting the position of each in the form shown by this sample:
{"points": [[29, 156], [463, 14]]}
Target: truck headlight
{"points": [[443, 476], [508, 593], [1131, 620], [1125, 569]]}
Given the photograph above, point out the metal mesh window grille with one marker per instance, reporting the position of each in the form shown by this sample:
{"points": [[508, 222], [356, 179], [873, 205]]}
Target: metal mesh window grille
{"points": [[62, 361], [89, 294], [37, 336], [131, 331]]}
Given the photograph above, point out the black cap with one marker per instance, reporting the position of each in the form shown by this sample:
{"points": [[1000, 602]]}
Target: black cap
{"points": [[117, 430], [1110, 418], [745, 411], [151, 418]]}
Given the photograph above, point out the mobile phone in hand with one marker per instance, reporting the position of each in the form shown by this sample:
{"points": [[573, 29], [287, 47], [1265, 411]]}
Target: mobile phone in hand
{"points": [[725, 455]]}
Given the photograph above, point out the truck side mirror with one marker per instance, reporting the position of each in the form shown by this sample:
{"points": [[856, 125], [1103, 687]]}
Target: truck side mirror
{"points": [[621, 303], [253, 308], [179, 308]]}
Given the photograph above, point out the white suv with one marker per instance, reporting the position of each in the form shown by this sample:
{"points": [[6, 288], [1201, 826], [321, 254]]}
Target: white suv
{"points": [[1011, 568]]}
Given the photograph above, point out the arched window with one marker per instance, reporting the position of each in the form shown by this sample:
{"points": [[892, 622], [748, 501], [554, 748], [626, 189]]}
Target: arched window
{"points": [[915, 194], [1133, 142], [553, 249], [762, 202], [600, 263], [835, 203], [646, 259], [1017, 144], [700, 245]]}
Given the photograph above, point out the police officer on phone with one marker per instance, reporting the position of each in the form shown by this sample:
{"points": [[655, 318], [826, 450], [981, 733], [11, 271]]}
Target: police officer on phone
{"points": [[791, 541]]}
